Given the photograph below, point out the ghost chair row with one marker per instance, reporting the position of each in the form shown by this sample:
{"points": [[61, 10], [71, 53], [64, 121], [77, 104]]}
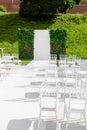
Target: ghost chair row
{"points": [[74, 95], [75, 102]]}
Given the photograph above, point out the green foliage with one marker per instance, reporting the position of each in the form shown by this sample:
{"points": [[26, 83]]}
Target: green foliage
{"points": [[78, 1], [37, 8], [33, 8], [3, 9], [58, 41], [9, 48], [77, 41], [64, 5], [75, 24], [26, 39], [25, 62]]}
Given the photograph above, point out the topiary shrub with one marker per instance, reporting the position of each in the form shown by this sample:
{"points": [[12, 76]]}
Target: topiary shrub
{"points": [[26, 39], [58, 41], [2, 9]]}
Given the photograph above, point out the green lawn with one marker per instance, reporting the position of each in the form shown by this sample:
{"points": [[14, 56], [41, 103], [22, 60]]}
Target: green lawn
{"points": [[75, 24], [25, 62]]}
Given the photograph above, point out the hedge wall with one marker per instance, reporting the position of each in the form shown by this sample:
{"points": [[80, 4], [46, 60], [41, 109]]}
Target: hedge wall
{"points": [[26, 42], [58, 40]]}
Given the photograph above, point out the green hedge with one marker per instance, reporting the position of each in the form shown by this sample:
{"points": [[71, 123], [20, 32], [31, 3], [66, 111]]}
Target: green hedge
{"points": [[25, 39], [26, 42], [58, 41]]}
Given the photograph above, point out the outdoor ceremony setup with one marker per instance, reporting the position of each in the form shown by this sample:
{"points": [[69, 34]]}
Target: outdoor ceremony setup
{"points": [[47, 93]]}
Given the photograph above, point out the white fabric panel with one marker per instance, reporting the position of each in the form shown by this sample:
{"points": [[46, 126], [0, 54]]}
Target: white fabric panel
{"points": [[41, 45]]}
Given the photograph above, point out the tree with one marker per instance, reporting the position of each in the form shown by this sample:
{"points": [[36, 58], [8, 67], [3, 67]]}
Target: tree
{"points": [[45, 7]]}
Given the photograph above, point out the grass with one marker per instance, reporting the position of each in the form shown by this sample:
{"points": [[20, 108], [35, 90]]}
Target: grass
{"points": [[25, 62], [75, 24]]}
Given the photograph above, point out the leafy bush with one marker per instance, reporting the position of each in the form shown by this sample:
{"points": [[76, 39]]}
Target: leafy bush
{"points": [[9, 48], [77, 41], [78, 1], [2, 9], [45, 7], [58, 41], [26, 39]]}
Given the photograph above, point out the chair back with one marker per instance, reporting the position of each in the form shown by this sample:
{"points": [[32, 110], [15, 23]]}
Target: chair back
{"points": [[49, 93], [51, 75], [53, 59], [62, 59]]}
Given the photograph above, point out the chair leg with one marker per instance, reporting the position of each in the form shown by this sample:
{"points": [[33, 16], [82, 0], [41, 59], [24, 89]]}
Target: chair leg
{"points": [[67, 126], [85, 121], [57, 122], [38, 125], [68, 118], [81, 115], [64, 112], [57, 125]]}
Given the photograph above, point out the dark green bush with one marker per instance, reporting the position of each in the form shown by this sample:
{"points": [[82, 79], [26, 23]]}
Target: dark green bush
{"points": [[58, 41], [2, 9], [26, 39], [33, 8], [78, 1], [37, 8]]}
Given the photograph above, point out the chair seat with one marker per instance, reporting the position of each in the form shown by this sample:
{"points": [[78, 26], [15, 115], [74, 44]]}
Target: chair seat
{"points": [[48, 106], [49, 102], [75, 104], [49, 99], [68, 72], [32, 96], [40, 75], [69, 81], [52, 80], [36, 83], [48, 117], [82, 72]]}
